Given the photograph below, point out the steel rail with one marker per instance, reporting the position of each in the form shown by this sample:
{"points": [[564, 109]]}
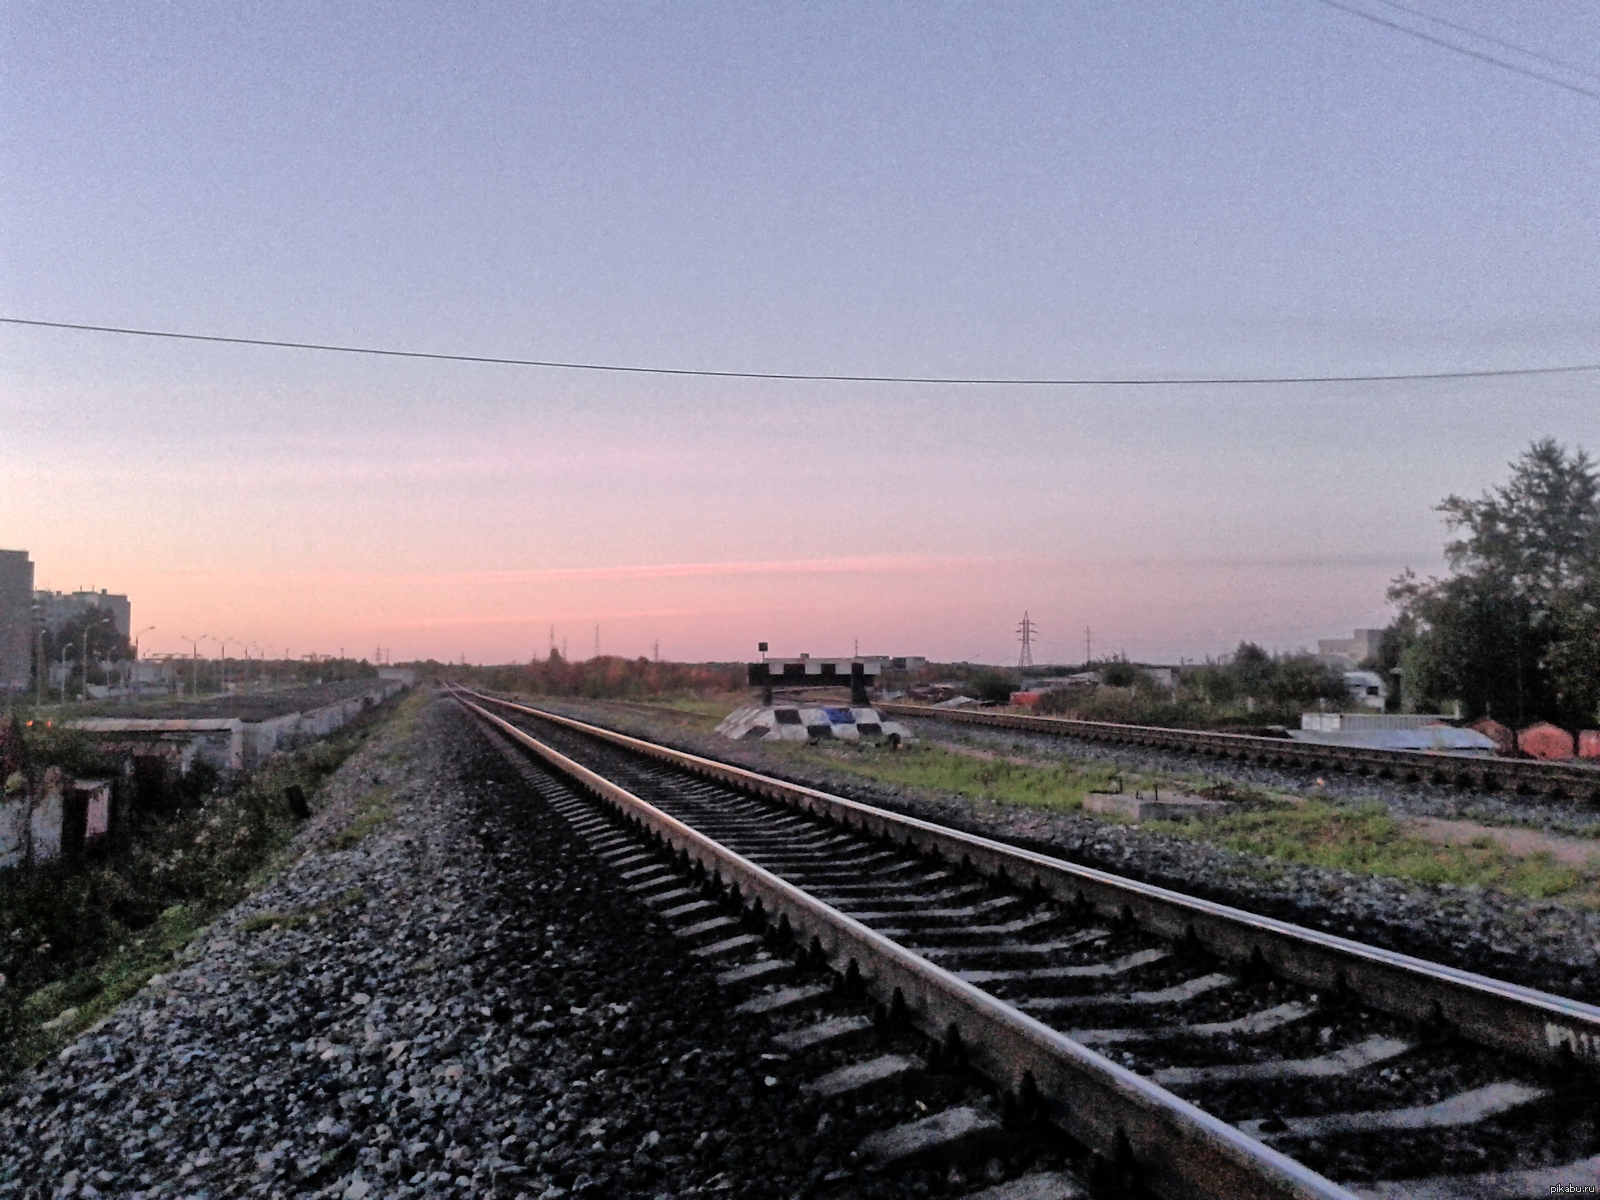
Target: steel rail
{"points": [[1179, 1149], [1487, 774], [1523, 1021]]}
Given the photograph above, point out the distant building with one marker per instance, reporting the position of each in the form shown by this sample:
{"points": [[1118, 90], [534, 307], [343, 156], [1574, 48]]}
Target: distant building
{"points": [[16, 621], [1165, 678], [55, 609], [1351, 651]]}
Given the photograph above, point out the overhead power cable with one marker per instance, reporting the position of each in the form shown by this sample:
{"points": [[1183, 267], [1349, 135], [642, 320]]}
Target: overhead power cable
{"points": [[1448, 45], [809, 377], [1484, 37]]}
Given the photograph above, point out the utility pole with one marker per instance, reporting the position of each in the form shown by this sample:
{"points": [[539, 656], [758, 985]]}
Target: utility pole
{"points": [[194, 674], [655, 650], [552, 639], [1025, 632], [1088, 647], [597, 641]]}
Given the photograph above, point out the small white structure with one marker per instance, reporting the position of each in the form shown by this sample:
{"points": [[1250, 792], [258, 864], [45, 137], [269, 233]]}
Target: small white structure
{"points": [[1366, 689], [792, 723]]}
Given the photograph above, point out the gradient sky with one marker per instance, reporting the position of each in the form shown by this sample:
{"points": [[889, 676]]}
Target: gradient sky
{"points": [[1060, 190]]}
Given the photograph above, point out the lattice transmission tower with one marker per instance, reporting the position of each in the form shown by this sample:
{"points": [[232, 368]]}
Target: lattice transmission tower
{"points": [[1025, 632]]}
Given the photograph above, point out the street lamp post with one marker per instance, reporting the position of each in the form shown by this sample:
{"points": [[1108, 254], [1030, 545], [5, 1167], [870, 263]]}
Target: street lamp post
{"points": [[83, 681], [222, 655], [194, 671], [136, 637]]}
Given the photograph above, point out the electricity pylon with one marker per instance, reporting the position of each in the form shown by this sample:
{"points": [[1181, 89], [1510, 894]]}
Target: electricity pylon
{"points": [[1025, 631]]}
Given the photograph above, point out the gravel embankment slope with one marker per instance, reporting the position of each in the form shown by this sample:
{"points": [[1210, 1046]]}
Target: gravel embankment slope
{"points": [[464, 1003], [1543, 944]]}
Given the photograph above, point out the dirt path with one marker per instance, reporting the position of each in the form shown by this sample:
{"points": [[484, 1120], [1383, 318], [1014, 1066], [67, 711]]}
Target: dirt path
{"points": [[1514, 840]]}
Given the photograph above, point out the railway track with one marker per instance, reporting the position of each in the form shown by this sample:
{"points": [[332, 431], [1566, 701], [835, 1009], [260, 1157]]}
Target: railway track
{"points": [[1194, 1049], [1573, 781]]}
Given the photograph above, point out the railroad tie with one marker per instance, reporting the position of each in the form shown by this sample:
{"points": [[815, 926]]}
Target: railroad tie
{"points": [[831, 1030], [859, 1076], [1177, 994], [1046, 1185], [1264, 1021], [785, 998], [753, 972], [1121, 966], [1569, 1179], [726, 946], [953, 1131], [1351, 1059], [1464, 1108]]}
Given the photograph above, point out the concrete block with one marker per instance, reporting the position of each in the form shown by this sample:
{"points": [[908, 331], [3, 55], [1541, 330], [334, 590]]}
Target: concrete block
{"points": [[1149, 806]]}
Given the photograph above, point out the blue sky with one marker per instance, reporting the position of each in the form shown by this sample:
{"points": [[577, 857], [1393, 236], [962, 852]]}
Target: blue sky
{"points": [[1237, 188]]}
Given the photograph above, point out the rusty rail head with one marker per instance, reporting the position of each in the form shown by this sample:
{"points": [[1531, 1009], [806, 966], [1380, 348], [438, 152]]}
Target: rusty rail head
{"points": [[1180, 1151], [1570, 779], [1506, 1016]]}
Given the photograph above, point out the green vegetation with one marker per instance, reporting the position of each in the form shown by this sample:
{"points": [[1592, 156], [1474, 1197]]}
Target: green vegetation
{"points": [[1247, 688], [371, 810], [266, 921], [87, 933], [1370, 841], [1365, 839], [924, 766], [1514, 631]]}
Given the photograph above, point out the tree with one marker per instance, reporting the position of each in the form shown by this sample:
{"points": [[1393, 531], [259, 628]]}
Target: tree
{"points": [[991, 687], [1511, 632]]}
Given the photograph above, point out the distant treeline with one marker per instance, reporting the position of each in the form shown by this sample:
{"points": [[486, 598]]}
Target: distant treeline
{"points": [[606, 677]]}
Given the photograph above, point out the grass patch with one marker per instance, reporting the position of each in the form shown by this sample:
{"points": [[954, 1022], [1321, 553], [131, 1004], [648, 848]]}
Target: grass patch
{"points": [[1060, 787], [1370, 841], [1366, 840], [88, 933], [371, 810], [262, 922]]}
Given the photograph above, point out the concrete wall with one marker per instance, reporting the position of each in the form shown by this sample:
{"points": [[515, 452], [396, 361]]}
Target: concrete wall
{"points": [[16, 815], [64, 815]]}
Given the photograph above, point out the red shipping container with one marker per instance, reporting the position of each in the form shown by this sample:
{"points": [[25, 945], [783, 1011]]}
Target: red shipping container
{"points": [[1589, 743], [1505, 742], [1025, 699], [1545, 740]]}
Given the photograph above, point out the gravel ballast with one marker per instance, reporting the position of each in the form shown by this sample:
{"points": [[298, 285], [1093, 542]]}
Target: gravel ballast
{"points": [[463, 1002]]}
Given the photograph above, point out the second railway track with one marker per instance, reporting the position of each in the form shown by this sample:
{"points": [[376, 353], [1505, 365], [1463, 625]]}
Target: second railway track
{"points": [[1199, 1049]]}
